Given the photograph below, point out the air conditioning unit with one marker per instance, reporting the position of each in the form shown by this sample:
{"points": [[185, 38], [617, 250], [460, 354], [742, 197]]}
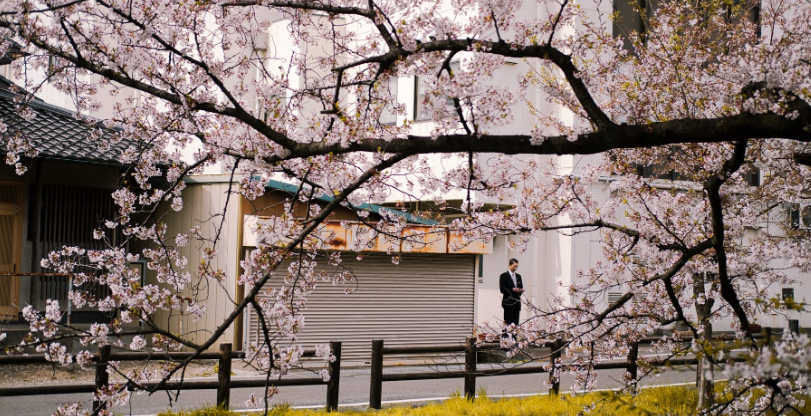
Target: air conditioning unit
{"points": [[261, 41], [614, 297], [635, 259]]}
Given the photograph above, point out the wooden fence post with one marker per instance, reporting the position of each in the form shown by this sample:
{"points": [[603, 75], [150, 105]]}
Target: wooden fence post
{"points": [[554, 359], [334, 377], [470, 368], [633, 356], [376, 388], [224, 377], [102, 377]]}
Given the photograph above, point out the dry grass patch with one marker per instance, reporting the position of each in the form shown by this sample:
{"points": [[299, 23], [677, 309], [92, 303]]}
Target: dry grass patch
{"points": [[670, 401]]}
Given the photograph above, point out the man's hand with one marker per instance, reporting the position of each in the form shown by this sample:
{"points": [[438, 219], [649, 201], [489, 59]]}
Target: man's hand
{"points": [[519, 290]]}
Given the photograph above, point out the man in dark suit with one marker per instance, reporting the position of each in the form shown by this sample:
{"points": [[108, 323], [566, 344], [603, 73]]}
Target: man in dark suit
{"points": [[511, 289]]}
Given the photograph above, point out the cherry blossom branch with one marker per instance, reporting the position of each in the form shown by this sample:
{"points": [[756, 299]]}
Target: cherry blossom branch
{"points": [[555, 23], [543, 52], [295, 242], [383, 30], [45, 10], [711, 130], [124, 79]]}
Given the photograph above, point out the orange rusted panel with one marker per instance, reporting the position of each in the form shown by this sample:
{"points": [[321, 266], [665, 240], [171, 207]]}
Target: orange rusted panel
{"points": [[457, 245], [422, 239], [338, 236], [334, 237]]}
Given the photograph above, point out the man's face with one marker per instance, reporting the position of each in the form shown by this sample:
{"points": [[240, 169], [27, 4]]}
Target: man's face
{"points": [[514, 267]]}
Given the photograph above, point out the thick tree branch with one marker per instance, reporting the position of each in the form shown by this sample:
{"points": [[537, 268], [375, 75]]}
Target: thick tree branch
{"points": [[607, 137], [713, 186], [300, 5], [714, 130], [803, 159]]}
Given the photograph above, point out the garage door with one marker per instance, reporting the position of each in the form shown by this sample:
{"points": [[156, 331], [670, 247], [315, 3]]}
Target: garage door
{"points": [[427, 299]]}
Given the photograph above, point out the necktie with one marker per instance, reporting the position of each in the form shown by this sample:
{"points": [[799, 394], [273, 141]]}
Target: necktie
{"points": [[515, 282]]}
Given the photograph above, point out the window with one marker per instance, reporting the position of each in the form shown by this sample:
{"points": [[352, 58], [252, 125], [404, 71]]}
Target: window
{"points": [[798, 216], [421, 84], [273, 108], [53, 65], [387, 116], [627, 20], [632, 16], [658, 171], [788, 294], [752, 177], [614, 297], [793, 215]]}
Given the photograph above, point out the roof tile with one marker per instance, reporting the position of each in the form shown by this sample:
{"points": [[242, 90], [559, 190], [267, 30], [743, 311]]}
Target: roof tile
{"points": [[58, 134]]}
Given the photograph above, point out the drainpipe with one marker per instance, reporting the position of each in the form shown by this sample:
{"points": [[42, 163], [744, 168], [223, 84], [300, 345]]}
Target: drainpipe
{"points": [[35, 225]]}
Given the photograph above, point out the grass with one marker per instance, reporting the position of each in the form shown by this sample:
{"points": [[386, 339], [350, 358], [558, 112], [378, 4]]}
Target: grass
{"points": [[669, 401]]}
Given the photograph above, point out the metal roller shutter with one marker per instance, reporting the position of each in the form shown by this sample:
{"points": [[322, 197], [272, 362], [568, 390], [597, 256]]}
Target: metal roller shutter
{"points": [[427, 299]]}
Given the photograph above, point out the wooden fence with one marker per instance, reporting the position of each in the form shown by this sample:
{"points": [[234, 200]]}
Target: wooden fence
{"points": [[224, 383], [470, 373]]}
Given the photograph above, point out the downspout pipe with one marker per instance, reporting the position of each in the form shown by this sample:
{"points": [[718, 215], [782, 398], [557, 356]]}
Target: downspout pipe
{"points": [[36, 228]]}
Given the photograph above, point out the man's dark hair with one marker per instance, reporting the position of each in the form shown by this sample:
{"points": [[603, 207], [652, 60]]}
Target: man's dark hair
{"points": [[513, 261]]}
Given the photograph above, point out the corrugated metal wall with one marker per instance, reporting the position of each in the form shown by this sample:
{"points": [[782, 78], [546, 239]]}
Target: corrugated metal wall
{"points": [[427, 299], [203, 204]]}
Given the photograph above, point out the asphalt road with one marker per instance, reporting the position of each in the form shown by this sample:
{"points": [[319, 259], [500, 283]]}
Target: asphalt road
{"points": [[354, 391]]}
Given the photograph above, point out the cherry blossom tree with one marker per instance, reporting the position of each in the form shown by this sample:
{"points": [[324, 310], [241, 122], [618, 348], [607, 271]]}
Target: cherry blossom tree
{"points": [[675, 117]]}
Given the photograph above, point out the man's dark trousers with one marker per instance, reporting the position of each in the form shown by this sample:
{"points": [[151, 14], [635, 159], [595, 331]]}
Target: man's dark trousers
{"points": [[511, 314]]}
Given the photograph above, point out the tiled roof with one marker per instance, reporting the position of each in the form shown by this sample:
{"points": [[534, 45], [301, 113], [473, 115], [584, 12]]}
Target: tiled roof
{"points": [[58, 134]]}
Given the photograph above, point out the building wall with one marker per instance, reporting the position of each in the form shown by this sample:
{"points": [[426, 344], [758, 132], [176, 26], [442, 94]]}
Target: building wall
{"points": [[56, 173], [204, 201]]}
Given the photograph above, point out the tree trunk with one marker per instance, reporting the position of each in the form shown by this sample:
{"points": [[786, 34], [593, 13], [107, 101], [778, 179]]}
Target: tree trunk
{"points": [[705, 374]]}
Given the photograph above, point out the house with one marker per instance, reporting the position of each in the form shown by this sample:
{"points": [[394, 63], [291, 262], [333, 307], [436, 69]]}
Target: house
{"points": [[63, 197], [427, 298]]}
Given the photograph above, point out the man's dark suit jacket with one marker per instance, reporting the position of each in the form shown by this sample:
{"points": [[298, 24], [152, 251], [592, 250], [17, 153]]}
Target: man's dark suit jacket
{"points": [[510, 299]]}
